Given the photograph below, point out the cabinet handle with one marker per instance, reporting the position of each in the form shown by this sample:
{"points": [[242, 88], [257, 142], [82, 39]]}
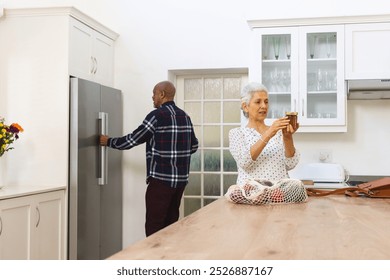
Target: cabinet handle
{"points": [[96, 65], [39, 216], [1, 225], [92, 65], [303, 107]]}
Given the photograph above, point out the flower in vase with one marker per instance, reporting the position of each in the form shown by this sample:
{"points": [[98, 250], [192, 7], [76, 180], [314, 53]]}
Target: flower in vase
{"points": [[8, 134]]}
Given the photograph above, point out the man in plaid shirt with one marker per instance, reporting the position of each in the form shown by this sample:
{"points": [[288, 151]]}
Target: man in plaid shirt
{"points": [[170, 141]]}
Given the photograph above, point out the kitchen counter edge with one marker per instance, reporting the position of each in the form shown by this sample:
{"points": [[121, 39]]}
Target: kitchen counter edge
{"points": [[7, 192]]}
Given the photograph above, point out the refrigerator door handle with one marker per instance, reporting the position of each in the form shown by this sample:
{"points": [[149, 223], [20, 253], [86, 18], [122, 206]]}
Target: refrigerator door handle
{"points": [[102, 180]]}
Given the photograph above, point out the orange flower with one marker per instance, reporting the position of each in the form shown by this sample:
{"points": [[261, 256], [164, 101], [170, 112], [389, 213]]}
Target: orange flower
{"points": [[18, 127]]}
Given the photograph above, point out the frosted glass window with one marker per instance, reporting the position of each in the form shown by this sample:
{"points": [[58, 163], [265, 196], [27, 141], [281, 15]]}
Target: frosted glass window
{"points": [[228, 180], [212, 112], [226, 130], [213, 102], [194, 185], [212, 88], [191, 205], [232, 88], [207, 201], [212, 136], [229, 164], [199, 134], [231, 111], [212, 160], [193, 109], [193, 89], [212, 184], [195, 164]]}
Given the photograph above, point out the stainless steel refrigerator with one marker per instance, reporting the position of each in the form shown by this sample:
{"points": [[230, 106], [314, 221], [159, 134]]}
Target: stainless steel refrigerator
{"points": [[95, 172]]}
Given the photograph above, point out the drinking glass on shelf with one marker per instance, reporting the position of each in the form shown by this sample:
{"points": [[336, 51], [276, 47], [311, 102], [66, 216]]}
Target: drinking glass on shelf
{"points": [[276, 45], [274, 79], [312, 45], [284, 80], [320, 77], [325, 83], [331, 80], [288, 79], [265, 47], [288, 46], [334, 81], [328, 45], [311, 81], [266, 79], [273, 114]]}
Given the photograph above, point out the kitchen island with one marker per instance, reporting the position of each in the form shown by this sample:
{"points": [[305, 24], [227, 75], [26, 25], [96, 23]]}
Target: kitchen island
{"points": [[323, 228]]}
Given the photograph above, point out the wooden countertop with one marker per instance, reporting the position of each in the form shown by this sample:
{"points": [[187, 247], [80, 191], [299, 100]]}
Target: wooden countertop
{"points": [[334, 227]]}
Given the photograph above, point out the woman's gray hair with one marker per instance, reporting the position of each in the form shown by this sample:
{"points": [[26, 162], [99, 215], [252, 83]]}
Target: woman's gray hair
{"points": [[248, 91]]}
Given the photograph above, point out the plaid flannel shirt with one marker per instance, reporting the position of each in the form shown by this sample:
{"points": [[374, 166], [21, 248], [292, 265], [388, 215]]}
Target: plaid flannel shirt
{"points": [[170, 141]]}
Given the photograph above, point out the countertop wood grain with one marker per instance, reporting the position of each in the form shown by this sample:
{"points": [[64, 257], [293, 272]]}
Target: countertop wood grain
{"points": [[323, 228]]}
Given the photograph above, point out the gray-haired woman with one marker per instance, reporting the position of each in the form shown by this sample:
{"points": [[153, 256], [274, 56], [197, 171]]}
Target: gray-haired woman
{"points": [[261, 151]]}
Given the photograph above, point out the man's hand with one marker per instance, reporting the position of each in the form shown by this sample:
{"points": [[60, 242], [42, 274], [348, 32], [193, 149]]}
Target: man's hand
{"points": [[103, 139]]}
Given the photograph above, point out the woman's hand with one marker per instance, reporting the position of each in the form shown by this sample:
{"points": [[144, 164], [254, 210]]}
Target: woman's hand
{"points": [[288, 140], [289, 130], [282, 123]]}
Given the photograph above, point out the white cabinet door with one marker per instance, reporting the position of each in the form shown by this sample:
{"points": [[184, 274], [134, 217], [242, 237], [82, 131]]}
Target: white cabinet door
{"points": [[91, 54], [367, 52], [302, 68], [277, 68], [81, 61], [15, 225], [103, 53], [49, 226], [323, 100], [33, 227]]}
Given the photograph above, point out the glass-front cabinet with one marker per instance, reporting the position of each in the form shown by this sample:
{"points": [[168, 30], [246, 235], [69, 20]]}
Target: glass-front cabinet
{"points": [[303, 69]]}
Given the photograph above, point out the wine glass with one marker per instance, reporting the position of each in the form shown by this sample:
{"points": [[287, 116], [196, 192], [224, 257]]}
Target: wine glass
{"points": [[288, 46], [328, 45], [312, 45], [276, 45], [265, 47]]}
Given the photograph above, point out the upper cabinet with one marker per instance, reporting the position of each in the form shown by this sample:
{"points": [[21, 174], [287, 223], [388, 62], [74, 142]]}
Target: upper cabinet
{"points": [[91, 54], [367, 52], [303, 69]]}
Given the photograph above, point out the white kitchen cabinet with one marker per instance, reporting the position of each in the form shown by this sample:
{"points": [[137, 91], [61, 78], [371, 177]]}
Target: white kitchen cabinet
{"points": [[35, 82], [37, 60], [303, 69], [15, 225], [367, 54], [91, 54], [32, 227]]}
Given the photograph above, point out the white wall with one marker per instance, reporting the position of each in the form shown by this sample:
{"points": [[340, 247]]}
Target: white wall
{"points": [[157, 36]]}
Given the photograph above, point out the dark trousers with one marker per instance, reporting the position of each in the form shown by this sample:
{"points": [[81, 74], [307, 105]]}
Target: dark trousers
{"points": [[162, 205]]}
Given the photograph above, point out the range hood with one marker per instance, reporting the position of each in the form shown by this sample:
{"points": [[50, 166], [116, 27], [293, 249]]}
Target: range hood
{"points": [[369, 89]]}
